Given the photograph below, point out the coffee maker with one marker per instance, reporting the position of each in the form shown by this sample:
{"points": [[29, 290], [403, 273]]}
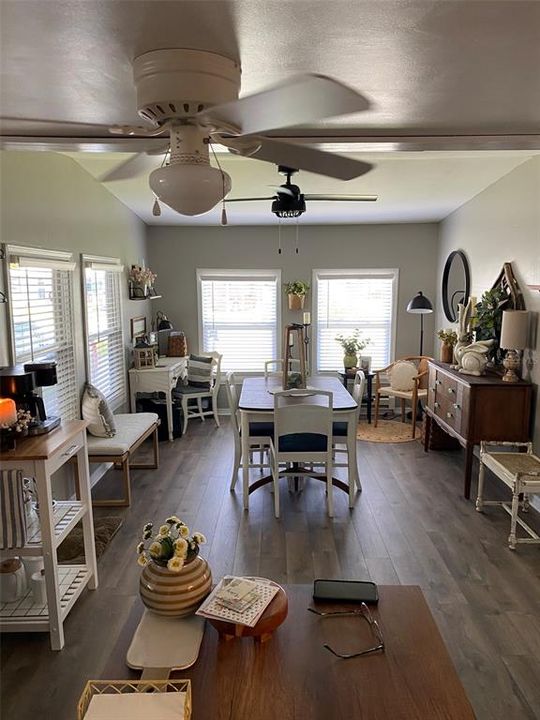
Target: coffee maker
{"points": [[19, 383]]}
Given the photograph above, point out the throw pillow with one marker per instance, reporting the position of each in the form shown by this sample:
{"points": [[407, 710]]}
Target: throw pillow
{"points": [[402, 376], [96, 411], [199, 371]]}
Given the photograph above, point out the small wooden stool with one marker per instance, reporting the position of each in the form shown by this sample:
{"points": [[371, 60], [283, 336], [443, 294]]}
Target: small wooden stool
{"points": [[521, 472], [272, 617]]}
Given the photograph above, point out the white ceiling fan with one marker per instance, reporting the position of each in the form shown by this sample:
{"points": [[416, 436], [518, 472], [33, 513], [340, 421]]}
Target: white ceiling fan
{"points": [[192, 96]]}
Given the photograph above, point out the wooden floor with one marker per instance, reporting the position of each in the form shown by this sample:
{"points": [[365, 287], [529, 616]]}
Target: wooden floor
{"points": [[410, 525]]}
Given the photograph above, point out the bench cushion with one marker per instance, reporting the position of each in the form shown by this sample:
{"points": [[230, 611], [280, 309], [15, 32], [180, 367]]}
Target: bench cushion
{"points": [[129, 428]]}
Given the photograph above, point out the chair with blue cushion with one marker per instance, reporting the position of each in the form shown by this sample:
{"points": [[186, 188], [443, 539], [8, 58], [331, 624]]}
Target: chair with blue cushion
{"points": [[203, 382], [303, 436], [260, 433], [339, 429]]}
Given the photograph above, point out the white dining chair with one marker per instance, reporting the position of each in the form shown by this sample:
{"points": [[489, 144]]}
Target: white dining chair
{"points": [[191, 396], [340, 429], [302, 434], [260, 434], [278, 364]]}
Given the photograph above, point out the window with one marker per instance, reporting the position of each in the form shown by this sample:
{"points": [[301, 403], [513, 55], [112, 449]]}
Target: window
{"points": [[239, 316], [349, 299], [105, 362], [41, 313]]}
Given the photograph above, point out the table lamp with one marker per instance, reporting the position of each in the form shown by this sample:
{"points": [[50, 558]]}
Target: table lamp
{"points": [[513, 339], [420, 305]]}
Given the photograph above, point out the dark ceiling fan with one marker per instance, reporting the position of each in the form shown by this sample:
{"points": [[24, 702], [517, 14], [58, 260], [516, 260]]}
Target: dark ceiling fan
{"points": [[290, 202]]}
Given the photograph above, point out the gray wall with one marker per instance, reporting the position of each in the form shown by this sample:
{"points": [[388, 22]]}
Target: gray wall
{"points": [[502, 224], [175, 253], [48, 201]]}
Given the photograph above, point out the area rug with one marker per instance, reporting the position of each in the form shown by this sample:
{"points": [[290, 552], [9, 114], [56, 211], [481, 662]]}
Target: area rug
{"points": [[387, 431], [72, 549]]}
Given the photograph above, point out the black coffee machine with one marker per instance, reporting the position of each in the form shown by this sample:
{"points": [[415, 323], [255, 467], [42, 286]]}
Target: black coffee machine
{"points": [[19, 384]]}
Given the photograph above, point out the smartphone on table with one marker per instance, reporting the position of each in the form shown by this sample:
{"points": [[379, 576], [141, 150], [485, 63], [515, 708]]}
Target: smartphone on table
{"points": [[346, 591]]}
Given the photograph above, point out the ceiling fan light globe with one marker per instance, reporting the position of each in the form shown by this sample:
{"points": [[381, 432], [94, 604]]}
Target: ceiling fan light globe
{"points": [[190, 189]]}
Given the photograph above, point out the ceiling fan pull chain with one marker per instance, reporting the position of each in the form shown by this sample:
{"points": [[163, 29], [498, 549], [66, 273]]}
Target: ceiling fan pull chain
{"points": [[279, 236], [224, 219], [296, 247], [156, 209]]}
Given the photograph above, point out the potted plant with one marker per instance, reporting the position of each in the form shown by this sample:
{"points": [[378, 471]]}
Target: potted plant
{"points": [[175, 579], [296, 291], [352, 345], [487, 321], [449, 339]]}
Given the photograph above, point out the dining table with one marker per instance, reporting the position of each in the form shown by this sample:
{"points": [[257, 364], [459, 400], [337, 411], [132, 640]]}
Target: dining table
{"points": [[256, 404]]}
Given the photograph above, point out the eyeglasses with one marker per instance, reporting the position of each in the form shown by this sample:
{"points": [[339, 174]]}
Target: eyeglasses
{"points": [[363, 612]]}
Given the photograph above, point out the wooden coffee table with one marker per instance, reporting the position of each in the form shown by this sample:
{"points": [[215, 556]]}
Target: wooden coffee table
{"points": [[292, 676]]}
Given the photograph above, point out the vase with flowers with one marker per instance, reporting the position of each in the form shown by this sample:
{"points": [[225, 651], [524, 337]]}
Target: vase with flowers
{"points": [[141, 282], [14, 427], [448, 340], [352, 345], [175, 578]]}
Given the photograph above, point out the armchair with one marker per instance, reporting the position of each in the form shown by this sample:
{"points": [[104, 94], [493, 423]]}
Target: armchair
{"points": [[408, 378]]}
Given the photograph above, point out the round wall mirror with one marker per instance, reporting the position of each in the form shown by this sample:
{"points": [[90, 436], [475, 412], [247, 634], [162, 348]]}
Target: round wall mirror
{"points": [[456, 284]]}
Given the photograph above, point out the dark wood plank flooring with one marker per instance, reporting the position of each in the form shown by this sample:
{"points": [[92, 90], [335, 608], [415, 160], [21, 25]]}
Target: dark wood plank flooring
{"points": [[410, 525]]}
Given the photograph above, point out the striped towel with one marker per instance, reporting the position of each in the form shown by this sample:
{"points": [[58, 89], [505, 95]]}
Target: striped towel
{"points": [[199, 371], [12, 515]]}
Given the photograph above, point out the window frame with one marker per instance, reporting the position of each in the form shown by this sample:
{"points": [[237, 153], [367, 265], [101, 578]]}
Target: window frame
{"points": [[58, 260], [108, 264], [348, 272], [275, 273]]}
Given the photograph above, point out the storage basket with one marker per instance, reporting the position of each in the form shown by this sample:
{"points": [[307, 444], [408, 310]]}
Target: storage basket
{"points": [[177, 346], [125, 687]]}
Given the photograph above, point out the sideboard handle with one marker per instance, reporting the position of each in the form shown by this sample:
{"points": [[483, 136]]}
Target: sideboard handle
{"points": [[451, 390], [457, 406], [449, 415], [436, 405]]}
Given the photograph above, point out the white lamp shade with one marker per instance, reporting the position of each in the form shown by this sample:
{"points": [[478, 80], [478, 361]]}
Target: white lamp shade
{"points": [[514, 329], [188, 188]]}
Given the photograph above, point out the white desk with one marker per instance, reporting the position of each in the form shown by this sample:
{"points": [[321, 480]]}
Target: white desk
{"points": [[162, 378], [257, 405], [39, 457]]}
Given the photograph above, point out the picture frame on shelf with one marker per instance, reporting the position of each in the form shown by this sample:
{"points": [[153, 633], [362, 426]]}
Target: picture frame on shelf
{"points": [[137, 327], [365, 363]]}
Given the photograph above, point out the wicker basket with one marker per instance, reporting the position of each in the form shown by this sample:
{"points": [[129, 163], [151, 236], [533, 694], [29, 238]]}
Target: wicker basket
{"points": [[124, 687], [177, 346]]}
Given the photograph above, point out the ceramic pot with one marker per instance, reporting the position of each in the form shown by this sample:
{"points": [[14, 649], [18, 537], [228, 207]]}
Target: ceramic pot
{"points": [[12, 580], [349, 361], [296, 302], [447, 352], [175, 594]]}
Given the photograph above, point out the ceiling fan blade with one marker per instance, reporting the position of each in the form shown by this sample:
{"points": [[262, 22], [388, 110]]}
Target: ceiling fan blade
{"points": [[342, 198], [302, 157], [133, 167], [300, 100], [254, 199], [38, 143]]}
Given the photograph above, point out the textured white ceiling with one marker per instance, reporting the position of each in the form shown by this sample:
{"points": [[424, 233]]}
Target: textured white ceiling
{"points": [[428, 66], [412, 187]]}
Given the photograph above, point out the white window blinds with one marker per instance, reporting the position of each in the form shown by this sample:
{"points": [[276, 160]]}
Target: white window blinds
{"points": [[41, 311], [349, 300], [104, 335], [239, 317]]}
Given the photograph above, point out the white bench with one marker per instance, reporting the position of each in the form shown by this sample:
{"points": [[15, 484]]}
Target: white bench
{"points": [[131, 431], [521, 473]]}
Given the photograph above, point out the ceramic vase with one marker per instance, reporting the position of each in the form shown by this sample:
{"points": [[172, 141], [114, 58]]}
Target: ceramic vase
{"points": [[349, 361], [175, 594]]}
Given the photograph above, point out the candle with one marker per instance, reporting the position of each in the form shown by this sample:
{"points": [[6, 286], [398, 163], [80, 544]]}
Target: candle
{"points": [[307, 318], [473, 305], [8, 412]]}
